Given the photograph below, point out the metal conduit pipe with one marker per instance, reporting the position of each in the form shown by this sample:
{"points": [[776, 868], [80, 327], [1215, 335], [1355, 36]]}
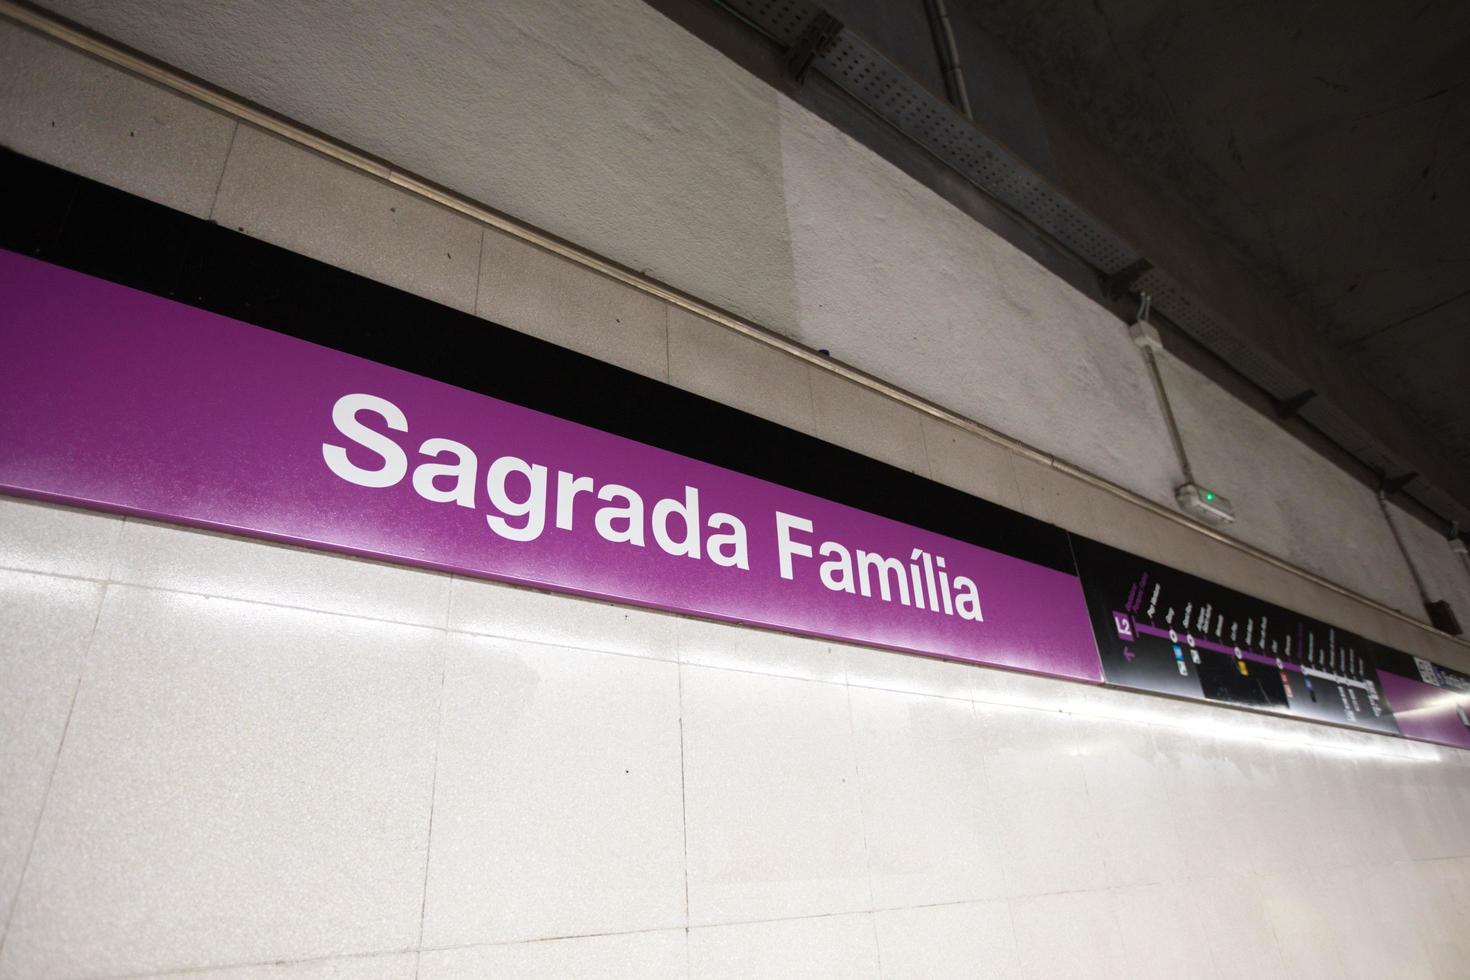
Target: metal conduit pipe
{"points": [[1441, 615], [1148, 343], [1398, 539], [167, 77], [949, 56]]}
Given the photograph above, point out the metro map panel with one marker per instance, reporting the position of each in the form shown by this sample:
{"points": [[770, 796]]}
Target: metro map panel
{"points": [[1163, 630]]}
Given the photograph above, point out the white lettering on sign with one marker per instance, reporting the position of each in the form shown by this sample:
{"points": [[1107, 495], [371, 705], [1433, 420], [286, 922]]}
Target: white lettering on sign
{"points": [[522, 495], [840, 573]]}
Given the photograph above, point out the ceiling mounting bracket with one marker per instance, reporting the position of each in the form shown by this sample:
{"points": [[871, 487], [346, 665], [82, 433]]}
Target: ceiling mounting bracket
{"points": [[1393, 484], [1121, 283], [1287, 408], [814, 41]]}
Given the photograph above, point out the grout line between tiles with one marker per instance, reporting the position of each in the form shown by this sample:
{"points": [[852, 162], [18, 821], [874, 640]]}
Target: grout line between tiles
{"points": [[683, 802], [114, 547], [479, 271], [857, 775], [1011, 922], [668, 355], [433, 788], [184, 971], [877, 943], [51, 774], [224, 168], [259, 602]]}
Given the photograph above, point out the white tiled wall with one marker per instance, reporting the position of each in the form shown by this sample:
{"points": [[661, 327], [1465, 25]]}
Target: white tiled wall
{"points": [[209, 767]]}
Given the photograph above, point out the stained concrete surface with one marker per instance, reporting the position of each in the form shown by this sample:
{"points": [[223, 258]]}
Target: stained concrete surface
{"points": [[1327, 143]]}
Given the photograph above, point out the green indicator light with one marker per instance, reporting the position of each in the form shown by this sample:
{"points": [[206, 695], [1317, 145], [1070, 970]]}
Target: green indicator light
{"points": [[1209, 495]]}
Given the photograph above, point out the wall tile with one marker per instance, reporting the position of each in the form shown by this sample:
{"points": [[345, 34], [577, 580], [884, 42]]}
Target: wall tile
{"points": [[1445, 883], [650, 955], [1218, 812], [1161, 933], [1132, 707], [1068, 935], [764, 652], [1017, 689], [1403, 932], [1344, 789], [1032, 768], [1237, 929], [972, 463], [45, 624], [927, 815], [491, 609], [70, 110], [292, 197], [716, 362], [1381, 781], [37, 537], [893, 671], [557, 807], [239, 783], [1236, 569], [1184, 548], [830, 946], [947, 942], [864, 421], [1129, 798], [1380, 938], [1123, 524], [774, 826], [1397, 805], [1349, 614], [1431, 823], [1300, 907], [531, 290], [215, 564], [1277, 781], [1050, 495]]}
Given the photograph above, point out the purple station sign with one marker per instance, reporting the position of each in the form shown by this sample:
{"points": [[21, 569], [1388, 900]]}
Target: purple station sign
{"points": [[1432, 704], [120, 400]]}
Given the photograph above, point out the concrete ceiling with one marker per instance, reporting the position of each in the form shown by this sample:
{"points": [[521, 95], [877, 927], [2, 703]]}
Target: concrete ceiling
{"points": [[1327, 143]]}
